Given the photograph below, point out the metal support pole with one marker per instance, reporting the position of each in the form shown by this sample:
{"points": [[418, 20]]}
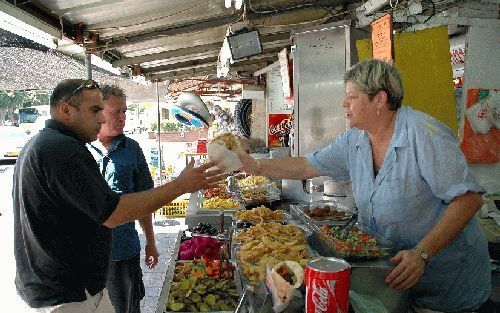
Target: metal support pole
{"points": [[88, 66], [158, 132]]}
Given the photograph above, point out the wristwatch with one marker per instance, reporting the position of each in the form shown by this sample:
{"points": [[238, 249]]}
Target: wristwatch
{"points": [[423, 255]]}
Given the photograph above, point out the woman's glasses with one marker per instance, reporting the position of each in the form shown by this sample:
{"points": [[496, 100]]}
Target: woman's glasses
{"points": [[87, 84]]}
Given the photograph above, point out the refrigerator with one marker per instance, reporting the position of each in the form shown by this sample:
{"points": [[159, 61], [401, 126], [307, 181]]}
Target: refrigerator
{"points": [[321, 55]]}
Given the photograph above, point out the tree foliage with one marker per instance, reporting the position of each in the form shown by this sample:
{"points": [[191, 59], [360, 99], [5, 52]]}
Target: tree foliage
{"points": [[133, 107], [168, 126], [13, 100]]}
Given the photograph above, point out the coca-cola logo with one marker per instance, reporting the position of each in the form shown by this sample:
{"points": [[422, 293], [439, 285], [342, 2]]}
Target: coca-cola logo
{"points": [[481, 114], [282, 128], [320, 298]]}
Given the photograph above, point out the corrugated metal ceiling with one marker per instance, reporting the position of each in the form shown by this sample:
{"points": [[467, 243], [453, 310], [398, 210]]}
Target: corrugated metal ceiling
{"points": [[181, 38]]}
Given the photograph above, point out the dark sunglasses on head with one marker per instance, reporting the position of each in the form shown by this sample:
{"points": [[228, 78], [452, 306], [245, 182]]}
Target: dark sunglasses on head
{"points": [[87, 84]]}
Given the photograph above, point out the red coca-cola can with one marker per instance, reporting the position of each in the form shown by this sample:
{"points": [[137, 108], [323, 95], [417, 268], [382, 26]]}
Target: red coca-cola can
{"points": [[327, 285]]}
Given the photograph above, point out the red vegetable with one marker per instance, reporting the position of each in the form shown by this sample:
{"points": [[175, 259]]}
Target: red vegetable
{"points": [[199, 247]]}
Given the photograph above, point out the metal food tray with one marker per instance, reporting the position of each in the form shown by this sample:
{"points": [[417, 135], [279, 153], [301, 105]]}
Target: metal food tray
{"points": [[308, 233], [216, 211], [258, 302], [272, 193], [384, 246], [202, 210], [353, 256], [298, 210], [286, 218], [168, 282]]}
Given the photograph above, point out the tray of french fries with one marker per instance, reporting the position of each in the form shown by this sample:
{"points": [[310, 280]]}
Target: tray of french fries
{"points": [[260, 194], [268, 243], [260, 214], [245, 219], [215, 204], [258, 189], [251, 181]]}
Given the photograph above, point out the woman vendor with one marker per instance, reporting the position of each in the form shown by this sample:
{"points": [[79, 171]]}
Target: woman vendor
{"points": [[411, 185]]}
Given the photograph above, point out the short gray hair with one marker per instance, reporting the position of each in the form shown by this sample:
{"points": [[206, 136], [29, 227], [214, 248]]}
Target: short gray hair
{"points": [[373, 76], [112, 90]]}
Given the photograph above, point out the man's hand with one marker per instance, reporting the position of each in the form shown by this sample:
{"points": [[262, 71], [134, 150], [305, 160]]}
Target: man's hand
{"points": [[151, 255], [409, 269], [193, 178]]}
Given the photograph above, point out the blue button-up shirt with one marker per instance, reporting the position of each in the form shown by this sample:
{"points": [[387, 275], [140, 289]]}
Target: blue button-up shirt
{"points": [[125, 169], [423, 171]]}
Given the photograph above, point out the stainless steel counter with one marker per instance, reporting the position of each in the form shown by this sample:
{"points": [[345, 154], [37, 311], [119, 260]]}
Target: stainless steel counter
{"points": [[193, 218], [165, 291], [367, 276]]}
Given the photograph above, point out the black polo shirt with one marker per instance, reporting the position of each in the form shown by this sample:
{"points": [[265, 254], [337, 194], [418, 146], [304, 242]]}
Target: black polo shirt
{"points": [[60, 202]]}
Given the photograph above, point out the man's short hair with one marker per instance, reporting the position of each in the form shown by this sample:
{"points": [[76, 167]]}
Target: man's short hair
{"points": [[112, 90], [63, 90]]}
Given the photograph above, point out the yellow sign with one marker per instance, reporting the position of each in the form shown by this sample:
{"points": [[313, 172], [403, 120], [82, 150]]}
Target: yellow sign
{"points": [[424, 63]]}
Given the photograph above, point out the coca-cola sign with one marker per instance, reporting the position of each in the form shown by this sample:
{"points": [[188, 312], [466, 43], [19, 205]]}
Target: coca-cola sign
{"points": [[320, 297]]}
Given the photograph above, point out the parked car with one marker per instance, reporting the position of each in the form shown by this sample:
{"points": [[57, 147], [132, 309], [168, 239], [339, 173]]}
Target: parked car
{"points": [[13, 140]]}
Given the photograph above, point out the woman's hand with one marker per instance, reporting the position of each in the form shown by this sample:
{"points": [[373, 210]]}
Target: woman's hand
{"points": [[250, 165], [409, 269]]}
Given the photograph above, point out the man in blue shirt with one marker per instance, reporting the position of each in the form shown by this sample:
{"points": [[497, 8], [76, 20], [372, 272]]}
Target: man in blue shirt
{"points": [[411, 185], [123, 165]]}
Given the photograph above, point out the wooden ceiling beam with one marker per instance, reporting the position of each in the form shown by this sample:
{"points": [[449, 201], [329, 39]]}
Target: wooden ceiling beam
{"points": [[165, 55], [200, 72], [268, 41], [120, 42], [175, 66]]}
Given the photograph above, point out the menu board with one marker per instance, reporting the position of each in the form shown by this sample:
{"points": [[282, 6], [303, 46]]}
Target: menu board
{"points": [[285, 73], [382, 43], [276, 103]]}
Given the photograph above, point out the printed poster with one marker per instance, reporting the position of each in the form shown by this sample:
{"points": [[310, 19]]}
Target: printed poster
{"points": [[481, 138], [279, 129]]}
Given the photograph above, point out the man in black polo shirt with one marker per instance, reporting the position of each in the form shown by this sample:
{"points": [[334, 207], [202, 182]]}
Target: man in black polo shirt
{"points": [[64, 209]]}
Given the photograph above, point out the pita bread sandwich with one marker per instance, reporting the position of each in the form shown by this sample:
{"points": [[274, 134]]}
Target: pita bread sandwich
{"points": [[287, 276], [229, 140], [224, 149]]}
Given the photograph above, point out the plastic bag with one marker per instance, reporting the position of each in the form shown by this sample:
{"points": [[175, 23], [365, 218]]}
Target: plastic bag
{"points": [[478, 117], [229, 161], [494, 108], [362, 303]]}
